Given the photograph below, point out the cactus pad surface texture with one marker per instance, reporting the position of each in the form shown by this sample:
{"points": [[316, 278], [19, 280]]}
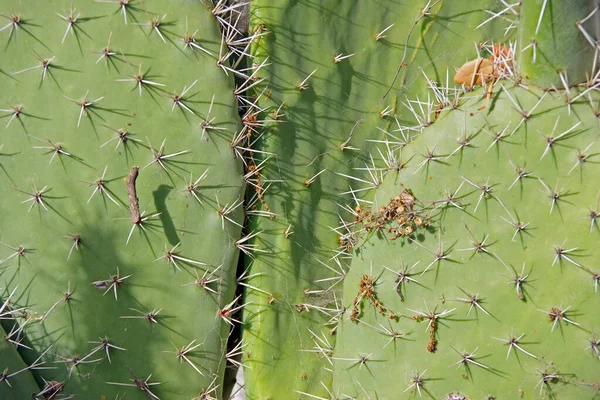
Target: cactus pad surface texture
{"points": [[114, 308], [23, 384], [556, 41], [439, 140], [327, 65], [478, 267], [413, 186]]}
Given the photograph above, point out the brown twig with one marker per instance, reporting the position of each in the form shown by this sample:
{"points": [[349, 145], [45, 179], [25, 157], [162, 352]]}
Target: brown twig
{"points": [[134, 205]]}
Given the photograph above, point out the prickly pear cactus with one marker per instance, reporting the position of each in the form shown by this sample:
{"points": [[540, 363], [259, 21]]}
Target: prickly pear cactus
{"points": [[122, 276], [16, 380], [557, 42], [323, 69], [401, 235], [477, 270]]}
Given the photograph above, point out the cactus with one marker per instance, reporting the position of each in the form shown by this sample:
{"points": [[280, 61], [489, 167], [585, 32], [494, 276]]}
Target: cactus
{"points": [[123, 283], [556, 42], [15, 378], [400, 235], [322, 81], [481, 256]]}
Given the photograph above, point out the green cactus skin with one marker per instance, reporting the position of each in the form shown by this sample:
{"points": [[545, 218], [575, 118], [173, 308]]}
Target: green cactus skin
{"points": [[551, 39], [21, 385], [460, 221], [304, 37], [51, 264]]}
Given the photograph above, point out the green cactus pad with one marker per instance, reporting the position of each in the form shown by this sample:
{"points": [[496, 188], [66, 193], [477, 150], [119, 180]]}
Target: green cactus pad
{"points": [[123, 84], [504, 207], [328, 65], [557, 37], [16, 381]]}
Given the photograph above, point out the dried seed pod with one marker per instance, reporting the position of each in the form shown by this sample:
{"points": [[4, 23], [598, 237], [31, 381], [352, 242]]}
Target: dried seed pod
{"points": [[475, 72], [407, 199]]}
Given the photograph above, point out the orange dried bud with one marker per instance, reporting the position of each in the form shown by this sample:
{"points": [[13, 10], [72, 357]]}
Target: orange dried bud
{"points": [[475, 72]]}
